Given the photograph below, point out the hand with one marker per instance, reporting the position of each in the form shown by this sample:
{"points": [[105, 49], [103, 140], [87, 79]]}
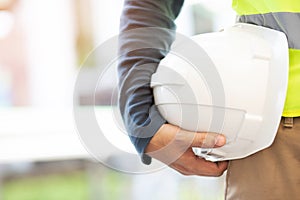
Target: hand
{"points": [[173, 146]]}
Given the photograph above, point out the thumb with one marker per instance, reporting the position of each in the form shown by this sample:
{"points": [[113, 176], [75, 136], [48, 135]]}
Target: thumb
{"points": [[208, 140]]}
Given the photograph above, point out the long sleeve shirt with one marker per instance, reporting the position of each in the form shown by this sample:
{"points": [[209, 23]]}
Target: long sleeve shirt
{"points": [[147, 30]]}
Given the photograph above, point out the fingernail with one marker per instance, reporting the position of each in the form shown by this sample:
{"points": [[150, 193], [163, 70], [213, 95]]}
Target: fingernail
{"points": [[220, 140]]}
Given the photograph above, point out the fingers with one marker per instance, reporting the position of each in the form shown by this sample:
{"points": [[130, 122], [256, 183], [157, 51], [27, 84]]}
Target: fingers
{"points": [[169, 133], [170, 142], [189, 164], [212, 168], [207, 140], [222, 165], [172, 146]]}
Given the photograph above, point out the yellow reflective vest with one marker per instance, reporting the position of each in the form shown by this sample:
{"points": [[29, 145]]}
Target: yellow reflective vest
{"points": [[281, 15]]}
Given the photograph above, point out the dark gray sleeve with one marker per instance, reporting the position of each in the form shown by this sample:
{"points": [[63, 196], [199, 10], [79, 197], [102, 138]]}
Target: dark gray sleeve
{"points": [[147, 31]]}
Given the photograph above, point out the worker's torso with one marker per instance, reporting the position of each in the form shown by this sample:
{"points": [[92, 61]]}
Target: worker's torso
{"points": [[281, 15]]}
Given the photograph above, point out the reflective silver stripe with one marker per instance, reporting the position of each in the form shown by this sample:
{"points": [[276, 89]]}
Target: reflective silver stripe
{"points": [[287, 22]]}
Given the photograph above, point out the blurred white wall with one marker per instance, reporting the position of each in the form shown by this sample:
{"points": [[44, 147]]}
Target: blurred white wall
{"points": [[106, 17], [50, 37]]}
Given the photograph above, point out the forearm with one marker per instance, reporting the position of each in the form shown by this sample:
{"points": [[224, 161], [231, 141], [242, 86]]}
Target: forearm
{"points": [[141, 49]]}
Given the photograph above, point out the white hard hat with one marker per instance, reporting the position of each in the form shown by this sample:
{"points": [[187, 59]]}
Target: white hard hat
{"points": [[235, 83]]}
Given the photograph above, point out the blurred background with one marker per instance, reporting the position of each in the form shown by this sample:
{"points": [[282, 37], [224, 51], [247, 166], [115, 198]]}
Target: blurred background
{"points": [[43, 44]]}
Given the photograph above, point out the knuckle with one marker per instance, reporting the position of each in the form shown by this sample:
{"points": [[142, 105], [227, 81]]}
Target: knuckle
{"points": [[218, 174]]}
